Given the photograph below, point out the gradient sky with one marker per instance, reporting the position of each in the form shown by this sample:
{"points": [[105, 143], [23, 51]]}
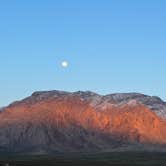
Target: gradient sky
{"points": [[111, 45]]}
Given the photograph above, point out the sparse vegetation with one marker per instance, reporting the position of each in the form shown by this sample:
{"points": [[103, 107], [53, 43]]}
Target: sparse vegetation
{"points": [[99, 159]]}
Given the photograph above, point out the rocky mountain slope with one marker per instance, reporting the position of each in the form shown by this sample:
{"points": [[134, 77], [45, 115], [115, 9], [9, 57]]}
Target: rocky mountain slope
{"points": [[57, 121]]}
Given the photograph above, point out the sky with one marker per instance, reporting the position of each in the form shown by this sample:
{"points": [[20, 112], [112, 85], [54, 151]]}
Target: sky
{"points": [[111, 46]]}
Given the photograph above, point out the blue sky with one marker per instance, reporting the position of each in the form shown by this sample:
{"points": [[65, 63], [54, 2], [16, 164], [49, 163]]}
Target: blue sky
{"points": [[111, 45]]}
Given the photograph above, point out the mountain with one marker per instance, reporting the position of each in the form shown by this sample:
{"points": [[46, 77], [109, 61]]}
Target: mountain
{"points": [[58, 121]]}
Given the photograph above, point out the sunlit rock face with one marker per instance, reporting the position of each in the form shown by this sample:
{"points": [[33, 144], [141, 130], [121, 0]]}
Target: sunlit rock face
{"points": [[57, 121], [102, 102]]}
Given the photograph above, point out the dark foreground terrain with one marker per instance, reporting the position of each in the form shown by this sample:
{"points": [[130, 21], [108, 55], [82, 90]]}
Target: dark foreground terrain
{"points": [[100, 159]]}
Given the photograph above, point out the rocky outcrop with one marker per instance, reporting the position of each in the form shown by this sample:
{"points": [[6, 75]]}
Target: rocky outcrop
{"points": [[57, 121]]}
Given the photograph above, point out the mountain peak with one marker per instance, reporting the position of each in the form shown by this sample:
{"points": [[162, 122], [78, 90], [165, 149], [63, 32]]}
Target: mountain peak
{"points": [[100, 102], [49, 93]]}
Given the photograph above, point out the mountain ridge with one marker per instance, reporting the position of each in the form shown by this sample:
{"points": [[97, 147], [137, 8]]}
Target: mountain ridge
{"points": [[155, 103]]}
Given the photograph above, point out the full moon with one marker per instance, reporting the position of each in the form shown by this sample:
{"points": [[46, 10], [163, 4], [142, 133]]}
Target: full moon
{"points": [[64, 64]]}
